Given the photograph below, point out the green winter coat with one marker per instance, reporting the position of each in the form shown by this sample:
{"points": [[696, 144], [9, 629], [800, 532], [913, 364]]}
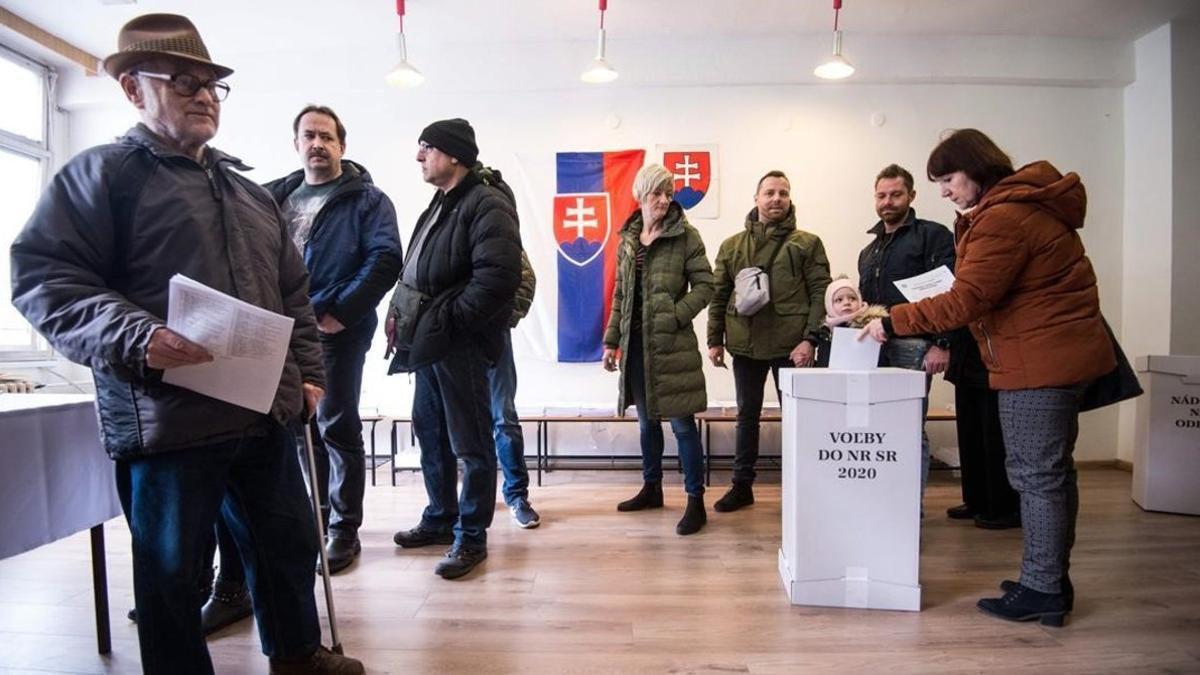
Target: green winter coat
{"points": [[798, 280], [677, 283]]}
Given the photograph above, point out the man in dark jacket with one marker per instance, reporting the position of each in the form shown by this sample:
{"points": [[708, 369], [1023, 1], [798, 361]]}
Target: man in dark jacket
{"points": [[448, 319], [345, 228], [905, 246], [91, 271]]}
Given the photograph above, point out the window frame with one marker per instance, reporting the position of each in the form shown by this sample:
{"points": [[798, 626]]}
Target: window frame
{"points": [[38, 351]]}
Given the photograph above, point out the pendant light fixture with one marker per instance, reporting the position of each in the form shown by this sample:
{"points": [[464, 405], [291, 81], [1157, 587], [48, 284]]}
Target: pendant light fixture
{"points": [[403, 75], [600, 71], [836, 67]]}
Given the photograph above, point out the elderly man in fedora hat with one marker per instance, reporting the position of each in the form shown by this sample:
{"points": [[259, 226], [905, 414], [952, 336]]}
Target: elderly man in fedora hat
{"points": [[91, 271]]}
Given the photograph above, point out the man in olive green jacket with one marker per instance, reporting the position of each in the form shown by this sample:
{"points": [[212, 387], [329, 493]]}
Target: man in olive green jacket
{"points": [[780, 334]]}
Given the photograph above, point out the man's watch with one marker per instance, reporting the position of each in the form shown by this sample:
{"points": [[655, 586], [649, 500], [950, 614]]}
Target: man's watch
{"points": [[942, 343]]}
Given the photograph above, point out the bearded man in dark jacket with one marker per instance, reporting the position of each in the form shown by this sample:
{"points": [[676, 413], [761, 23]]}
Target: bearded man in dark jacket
{"points": [[447, 323], [905, 246]]}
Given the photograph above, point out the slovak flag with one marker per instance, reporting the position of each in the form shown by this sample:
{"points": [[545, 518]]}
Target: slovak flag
{"points": [[594, 198], [693, 174]]}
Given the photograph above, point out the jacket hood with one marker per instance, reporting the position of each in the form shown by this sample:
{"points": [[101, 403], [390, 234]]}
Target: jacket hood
{"points": [[673, 222], [141, 135], [782, 228], [1041, 184]]}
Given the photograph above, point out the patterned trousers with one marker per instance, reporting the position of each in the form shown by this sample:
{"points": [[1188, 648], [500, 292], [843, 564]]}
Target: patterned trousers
{"points": [[1040, 427]]}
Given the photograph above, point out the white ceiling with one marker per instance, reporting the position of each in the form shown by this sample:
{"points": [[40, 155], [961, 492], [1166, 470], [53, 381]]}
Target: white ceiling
{"points": [[252, 26]]}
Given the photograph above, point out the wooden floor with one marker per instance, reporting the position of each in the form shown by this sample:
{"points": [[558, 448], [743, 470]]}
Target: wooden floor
{"points": [[595, 591]]}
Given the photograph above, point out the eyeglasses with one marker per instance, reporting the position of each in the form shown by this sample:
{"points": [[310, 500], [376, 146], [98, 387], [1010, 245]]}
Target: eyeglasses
{"points": [[423, 147], [187, 85]]}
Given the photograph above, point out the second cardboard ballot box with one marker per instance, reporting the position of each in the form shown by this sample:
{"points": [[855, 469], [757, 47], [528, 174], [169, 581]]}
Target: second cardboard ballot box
{"points": [[852, 487], [1166, 457]]}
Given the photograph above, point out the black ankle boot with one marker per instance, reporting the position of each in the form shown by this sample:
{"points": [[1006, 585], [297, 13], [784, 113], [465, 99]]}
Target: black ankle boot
{"points": [[1068, 590], [228, 604], [693, 518], [739, 495], [1025, 604], [650, 497]]}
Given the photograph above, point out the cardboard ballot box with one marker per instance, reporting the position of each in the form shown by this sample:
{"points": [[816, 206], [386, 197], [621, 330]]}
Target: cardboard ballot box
{"points": [[1166, 455], [852, 487]]}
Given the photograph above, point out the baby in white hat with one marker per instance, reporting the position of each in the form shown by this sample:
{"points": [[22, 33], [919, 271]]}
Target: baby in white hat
{"points": [[844, 306]]}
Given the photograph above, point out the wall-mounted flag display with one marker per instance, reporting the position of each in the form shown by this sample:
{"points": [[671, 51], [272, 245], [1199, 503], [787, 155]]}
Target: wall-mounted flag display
{"points": [[594, 198], [696, 186]]}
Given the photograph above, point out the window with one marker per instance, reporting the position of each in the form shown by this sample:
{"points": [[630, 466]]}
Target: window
{"points": [[24, 157]]}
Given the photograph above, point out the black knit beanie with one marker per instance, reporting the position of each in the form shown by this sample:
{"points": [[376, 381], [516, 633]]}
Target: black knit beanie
{"points": [[455, 137]]}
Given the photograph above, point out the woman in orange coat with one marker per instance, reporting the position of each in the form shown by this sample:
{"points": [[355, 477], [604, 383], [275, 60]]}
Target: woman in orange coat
{"points": [[1025, 288]]}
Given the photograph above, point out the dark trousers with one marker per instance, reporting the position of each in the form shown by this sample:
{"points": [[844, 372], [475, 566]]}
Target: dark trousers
{"points": [[687, 434], [1040, 428], [510, 440], [452, 419], [337, 430], [171, 501], [749, 377], [981, 455]]}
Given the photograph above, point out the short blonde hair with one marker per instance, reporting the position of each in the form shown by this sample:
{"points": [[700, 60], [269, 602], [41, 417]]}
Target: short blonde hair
{"points": [[651, 177]]}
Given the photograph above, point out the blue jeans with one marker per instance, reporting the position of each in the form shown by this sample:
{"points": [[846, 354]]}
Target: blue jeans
{"points": [[337, 430], [171, 501], [749, 377], [452, 419], [510, 440], [687, 435], [909, 353]]}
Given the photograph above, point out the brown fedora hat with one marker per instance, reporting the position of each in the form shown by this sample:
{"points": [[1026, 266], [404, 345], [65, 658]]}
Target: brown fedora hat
{"points": [[155, 35]]}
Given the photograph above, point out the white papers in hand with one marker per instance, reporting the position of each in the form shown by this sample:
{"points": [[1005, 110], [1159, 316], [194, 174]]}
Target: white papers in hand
{"points": [[249, 345], [848, 353], [933, 282]]}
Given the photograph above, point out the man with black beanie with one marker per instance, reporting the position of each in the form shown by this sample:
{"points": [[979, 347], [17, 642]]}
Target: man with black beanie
{"points": [[446, 323]]}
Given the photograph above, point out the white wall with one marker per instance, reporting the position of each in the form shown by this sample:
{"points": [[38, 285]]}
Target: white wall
{"points": [[1148, 187], [820, 134], [1185, 218]]}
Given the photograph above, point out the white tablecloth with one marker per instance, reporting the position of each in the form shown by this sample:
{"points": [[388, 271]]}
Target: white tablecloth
{"points": [[55, 479]]}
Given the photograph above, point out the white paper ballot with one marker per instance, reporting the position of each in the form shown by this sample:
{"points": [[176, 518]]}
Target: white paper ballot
{"points": [[249, 345], [933, 282], [848, 353]]}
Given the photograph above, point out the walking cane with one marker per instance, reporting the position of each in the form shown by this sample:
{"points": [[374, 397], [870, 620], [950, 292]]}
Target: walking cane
{"points": [[314, 493]]}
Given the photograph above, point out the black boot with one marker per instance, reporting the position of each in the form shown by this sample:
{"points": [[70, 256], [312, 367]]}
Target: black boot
{"points": [[228, 604], [650, 497], [1025, 604], [1068, 590], [739, 495], [693, 518]]}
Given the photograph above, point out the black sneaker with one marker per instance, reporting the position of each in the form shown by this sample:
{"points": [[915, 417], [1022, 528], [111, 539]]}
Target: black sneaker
{"points": [[420, 536], [1025, 604], [524, 515], [320, 662], [459, 561]]}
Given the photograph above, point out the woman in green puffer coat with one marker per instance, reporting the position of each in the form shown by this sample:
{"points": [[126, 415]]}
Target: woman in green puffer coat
{"points": [[663, 281]]}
